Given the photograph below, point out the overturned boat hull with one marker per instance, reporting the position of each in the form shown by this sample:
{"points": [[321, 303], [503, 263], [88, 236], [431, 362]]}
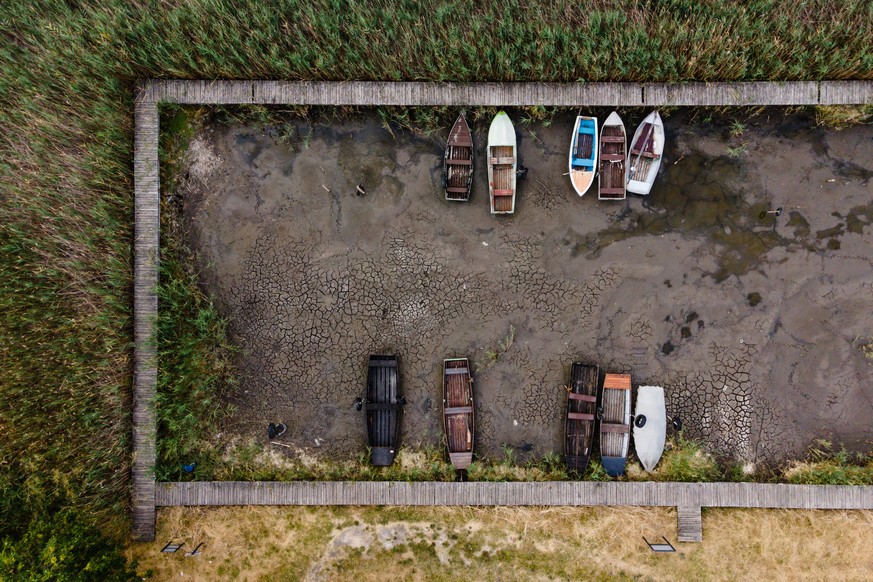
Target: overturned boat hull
{"points": [[382, 408]]}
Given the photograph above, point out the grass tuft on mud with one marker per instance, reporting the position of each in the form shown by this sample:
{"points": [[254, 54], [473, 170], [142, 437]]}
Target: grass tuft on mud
{"points": [[826, 466]]}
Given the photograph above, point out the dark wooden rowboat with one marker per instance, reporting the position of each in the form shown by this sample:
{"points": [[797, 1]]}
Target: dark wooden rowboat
{"points": [[458, 161], [383, 405], [458, 411], [581, 408], [615, 423], [613, 156]]}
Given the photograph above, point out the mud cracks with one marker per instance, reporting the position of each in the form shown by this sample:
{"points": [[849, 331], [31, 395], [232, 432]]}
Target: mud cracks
{"points": [[314, 278]]}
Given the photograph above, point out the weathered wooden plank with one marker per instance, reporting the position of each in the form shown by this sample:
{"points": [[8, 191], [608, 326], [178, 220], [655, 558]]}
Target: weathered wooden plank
{"points": [[145, 311], [733, 94], [373, 93], [534, 493], [201, 92], [846, 92], [690, 523]]}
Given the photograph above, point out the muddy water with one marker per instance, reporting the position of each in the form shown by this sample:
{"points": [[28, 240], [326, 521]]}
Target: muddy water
{"points": [[753, 322]]}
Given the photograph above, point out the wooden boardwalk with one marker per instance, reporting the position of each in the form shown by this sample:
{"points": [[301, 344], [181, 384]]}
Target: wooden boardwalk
{"points": [[687, 497], [373, 93], [540, 493], [362, 93], [145, 312]]}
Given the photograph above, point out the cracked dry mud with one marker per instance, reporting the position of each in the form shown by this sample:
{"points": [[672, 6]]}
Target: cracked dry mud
{"points": [[753, 323]]}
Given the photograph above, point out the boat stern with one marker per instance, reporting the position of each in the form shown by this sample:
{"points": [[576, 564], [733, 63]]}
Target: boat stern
{"points": [[382, 456], [614, 466], [637, 187]]}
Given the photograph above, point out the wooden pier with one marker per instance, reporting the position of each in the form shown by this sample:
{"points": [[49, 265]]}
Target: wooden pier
{"points": [[145, 313], [375, 93], [688, 497]]}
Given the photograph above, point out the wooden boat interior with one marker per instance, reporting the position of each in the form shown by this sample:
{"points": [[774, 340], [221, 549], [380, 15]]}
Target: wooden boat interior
{"points": [[612, 160], [581, 409], [502, 160], [459, 162], [458, 412], [642, 154], [614, 425]]}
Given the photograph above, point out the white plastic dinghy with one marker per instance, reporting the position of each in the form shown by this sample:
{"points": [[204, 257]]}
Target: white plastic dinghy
{"points": [[650, 425]]}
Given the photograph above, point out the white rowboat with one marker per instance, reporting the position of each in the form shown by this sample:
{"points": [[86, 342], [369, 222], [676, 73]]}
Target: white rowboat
{"points": [[502, 163], [644, 158]]}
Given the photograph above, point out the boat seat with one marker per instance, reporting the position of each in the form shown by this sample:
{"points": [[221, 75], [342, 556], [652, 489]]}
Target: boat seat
{"points": [[579, 416], [450, 371], [508, 160], [584, 162], [583, 129], [582, 397], [383, 363], [612, 427], [460, 162], [612, 139], [382, 406], [502, 192], [645, 154], [619, 381], [612, 190], [612, 157], [457, 190], [459, 410]]}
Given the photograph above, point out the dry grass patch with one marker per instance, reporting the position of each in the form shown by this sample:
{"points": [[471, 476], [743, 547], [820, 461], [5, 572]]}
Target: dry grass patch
{"points": [[843, 116], [331, 543]]}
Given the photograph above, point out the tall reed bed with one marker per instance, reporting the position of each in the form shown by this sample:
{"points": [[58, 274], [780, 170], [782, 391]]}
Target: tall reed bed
{"points": [[67, 73]]}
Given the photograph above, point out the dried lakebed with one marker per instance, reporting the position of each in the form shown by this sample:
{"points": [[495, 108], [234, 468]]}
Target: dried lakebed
{"points": [[754, 324]]}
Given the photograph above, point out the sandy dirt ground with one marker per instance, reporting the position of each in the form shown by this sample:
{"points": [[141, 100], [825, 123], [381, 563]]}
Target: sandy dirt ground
{"points": [[754, 324], [504, 543]]}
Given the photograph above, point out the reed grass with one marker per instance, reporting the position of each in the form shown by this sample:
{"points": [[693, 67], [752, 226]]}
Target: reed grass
{"points": [[195, 368], [67, 73]]}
